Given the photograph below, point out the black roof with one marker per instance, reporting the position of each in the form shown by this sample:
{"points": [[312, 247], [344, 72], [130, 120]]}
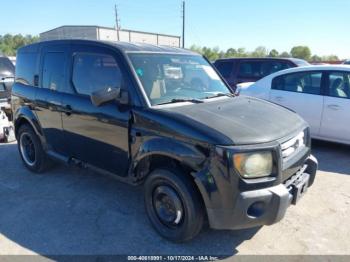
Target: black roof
{"points": [[122, 46], [262, 58], [143, 47]]}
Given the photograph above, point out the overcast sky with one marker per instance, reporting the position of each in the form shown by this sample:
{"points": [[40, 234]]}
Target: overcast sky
{"points": [[323, 25]]}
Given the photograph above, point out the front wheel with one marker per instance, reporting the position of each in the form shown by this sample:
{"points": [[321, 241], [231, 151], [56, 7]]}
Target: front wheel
{"points": [[173, 205]]}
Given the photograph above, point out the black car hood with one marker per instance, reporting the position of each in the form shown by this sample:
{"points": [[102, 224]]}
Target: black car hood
{"points": [[241, 120]]}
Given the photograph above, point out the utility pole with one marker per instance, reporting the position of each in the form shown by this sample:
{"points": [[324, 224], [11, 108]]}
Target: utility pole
{"points": [[183, 24], [117, 26]]}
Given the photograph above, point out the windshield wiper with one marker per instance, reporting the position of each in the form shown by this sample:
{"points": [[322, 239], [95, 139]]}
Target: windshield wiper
{"points": [[220, 94], [179, 100]]}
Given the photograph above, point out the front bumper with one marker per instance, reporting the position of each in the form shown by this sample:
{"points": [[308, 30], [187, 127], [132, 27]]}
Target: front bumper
{"points": [[264, 206]]}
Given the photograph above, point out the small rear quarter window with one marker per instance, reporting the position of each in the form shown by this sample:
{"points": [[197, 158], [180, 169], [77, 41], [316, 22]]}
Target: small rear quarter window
{"points": [[26, 68]]}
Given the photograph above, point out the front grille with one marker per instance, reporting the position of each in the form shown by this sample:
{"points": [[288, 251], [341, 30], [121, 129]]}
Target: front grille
{"points": [[292, 146], [288, 182]]}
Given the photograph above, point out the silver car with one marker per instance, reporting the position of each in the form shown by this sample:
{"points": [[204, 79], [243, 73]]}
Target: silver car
{"points": [[7, 71]]}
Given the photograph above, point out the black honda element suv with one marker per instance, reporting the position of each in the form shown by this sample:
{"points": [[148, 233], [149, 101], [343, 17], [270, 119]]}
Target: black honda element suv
{"points": [[161, 117]]}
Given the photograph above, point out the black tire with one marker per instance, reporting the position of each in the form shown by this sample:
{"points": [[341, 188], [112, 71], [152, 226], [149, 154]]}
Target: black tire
{"points": [[181, 192], [35, 159]]}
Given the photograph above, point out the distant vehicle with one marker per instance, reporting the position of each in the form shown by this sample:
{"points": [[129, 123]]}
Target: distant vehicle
{"points": [[7, 72], [320, 94], [346, 62], [6, 128], [161, 117], [242, 70], [13, 59], [319, 63]]}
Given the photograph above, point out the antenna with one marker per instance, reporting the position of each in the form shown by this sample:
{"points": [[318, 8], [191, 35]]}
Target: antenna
{"points": [[117, 26], [183, 24]]}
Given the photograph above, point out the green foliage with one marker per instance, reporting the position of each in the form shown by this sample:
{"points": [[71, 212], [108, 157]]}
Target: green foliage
{"points": [[285, 54], [330, 58], [210, 53], [10, 43], [273, 53], [316, 58], [231, 52], [327, 58], [241, 52], [302, 52], [260, 51]]}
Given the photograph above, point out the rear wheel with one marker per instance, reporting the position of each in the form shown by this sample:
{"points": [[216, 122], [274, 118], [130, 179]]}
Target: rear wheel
{"points": [[173, 205], [31, 151]]}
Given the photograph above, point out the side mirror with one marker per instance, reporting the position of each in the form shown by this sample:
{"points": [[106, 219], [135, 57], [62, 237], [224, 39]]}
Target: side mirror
{"points": [[109, 94], [123, 98], [104, 95]]}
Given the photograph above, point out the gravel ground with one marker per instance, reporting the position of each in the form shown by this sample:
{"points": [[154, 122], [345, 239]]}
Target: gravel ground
{"points": [[73, 211]]}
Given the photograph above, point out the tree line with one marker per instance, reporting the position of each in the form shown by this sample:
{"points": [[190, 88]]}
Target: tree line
{"points": [[302, 52], [10, 43]]}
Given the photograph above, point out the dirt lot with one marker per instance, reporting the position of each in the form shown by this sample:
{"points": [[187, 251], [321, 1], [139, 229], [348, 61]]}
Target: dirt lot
{"points": [[72, 211]]}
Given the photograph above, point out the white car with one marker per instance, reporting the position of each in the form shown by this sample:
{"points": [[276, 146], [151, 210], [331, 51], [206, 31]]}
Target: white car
{"points": [[320, 94]]}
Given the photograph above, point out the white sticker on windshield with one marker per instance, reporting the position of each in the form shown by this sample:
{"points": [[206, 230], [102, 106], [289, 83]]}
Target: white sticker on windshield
{"points": [[210, 72]]}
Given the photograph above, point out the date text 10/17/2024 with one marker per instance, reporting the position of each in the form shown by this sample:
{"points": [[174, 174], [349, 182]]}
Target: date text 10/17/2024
{"points": [[172, 258]]}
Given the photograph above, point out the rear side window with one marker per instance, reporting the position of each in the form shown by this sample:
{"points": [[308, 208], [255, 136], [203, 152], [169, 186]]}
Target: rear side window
{"points": [[250, 69], [53, 71], [260, 69], [93, 72], [303, 82], [225, 68], [26, 68], [270, 67]]}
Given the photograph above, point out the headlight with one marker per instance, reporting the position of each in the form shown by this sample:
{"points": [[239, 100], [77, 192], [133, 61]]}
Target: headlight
{"points": [[253, 165]]}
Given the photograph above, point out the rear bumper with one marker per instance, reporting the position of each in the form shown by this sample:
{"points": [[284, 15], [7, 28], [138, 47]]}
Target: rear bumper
{"points": [[264, 206]]}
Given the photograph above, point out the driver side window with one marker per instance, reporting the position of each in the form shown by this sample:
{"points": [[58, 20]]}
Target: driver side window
{"points": [[93, 72]]}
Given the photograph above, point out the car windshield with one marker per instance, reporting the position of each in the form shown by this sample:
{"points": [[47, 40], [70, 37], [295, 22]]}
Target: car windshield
{"points": [[171, 78]]}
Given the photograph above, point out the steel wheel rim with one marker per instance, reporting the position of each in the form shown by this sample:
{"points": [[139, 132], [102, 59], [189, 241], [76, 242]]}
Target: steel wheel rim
{"points": [[27, 149], [167, 206]]}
